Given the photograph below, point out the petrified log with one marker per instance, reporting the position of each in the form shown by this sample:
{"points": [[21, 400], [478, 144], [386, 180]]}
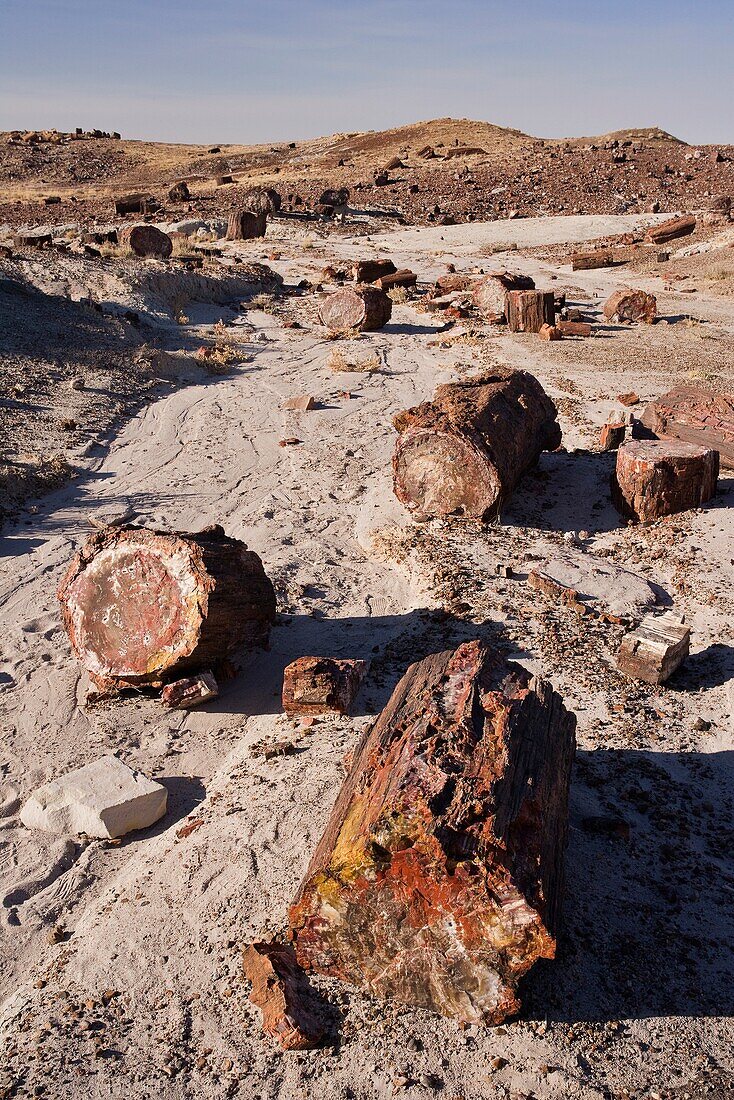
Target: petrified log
{"points": [[550, 332], [657, 478], [655, 649], [695, 415], [573, 328], [143, 606], [278, 990], [668, 231], [529, 310], [404, 277], [366, 271], [464, 452], [335, 196], [490, 293], [320, 685], [220, 181], [363, 307], [631, 305], [146, 241], [32, 240], [590, 261], [135, 204], [438, 880], [245, 225], [179, 192], [262, 200], [190, 692], [612, 435]]}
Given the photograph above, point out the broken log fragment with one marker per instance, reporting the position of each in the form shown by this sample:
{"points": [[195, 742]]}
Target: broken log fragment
{"points": [[245, 225], [321, 685], [668, 231], [655, 478], [696, 415], [438, 880], [279, 989], [366, 271], [404, 277], [573, 328], [364, 307], [590, 261], [190, 692], [179, 192], [262, 200], [135, 204], [143, 606], [550, 332], [655, 649], [612, 435], [627, 306], [146, 241], [490, 293], [464, 452], [529, 310], [32, 240]]}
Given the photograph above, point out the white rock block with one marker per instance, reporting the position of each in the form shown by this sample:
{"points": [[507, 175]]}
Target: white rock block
{"points": [[103, 799]]}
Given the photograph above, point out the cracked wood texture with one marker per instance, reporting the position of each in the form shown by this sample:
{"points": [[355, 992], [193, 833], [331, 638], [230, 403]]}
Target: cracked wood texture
{"points": [[695, 415], [143, 606], [490, 293], [279, 990], [628, 306], [439, 877], [464, 452], [319, 685], [658, 478], [245, 225], [363, 308], [529, 310]]}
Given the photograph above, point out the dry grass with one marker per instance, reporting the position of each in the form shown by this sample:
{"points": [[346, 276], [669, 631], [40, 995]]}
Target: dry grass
{"points": [[338, 361], [398, 294], [266, 303]]}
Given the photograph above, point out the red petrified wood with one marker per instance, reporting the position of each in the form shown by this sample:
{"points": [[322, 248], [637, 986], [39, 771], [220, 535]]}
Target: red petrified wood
{"points": [[490, 293], [668, 231], [144, 607], [319, 685], [696, 415], [438, 880], [658, 478], [627, 306], [529, 310], [464, 452], [278, 989]]}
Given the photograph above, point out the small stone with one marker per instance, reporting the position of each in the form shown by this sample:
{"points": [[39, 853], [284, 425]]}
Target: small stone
{"points": [[190, 692], [304, 403], [498, 1062], [701, 725]]}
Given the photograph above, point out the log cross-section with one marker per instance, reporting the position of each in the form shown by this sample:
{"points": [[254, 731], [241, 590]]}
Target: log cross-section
{"points": [[438, 880], [529, 310], [463, 453]]}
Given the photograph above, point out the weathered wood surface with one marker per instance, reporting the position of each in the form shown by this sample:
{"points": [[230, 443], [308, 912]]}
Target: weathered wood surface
{"points": [[590, 261], [246, 225], [529, 310], [179, 192], [279, 989], [658, 478], [655, 649], [668, 231], [627, 306], [490, 293], [574, 328], [262, 200], [320, 685], [612, 435], [32, 239], [135, 204], [550, 332], [364, 308], [143, 606], [366, 271], [696, 415], [190, 692], [438, 880], [404, 277], [464, 452], [146, 241]]}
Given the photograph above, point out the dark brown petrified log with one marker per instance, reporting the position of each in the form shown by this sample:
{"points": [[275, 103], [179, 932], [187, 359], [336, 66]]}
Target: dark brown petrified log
{"points": [[279, 989], [631, 305], [655, 649], [179, 192], [573, 328], [668, 231], [464, 452], [404, 277], [363, 308], [655, 478], [245, 225], [696, 415], [529, 310], [319, 685], [262, 200], [490, 293], [135, 204], [143, 606], [146, 241], [366, 271], [438, 880], [590, 261]]}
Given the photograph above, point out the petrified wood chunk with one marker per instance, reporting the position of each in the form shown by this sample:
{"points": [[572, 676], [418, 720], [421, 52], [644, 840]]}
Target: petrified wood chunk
{"points": [[404, 277], [490, 293], [573, 328], [438, 880], [179, 192], [363, 308], [631, 305], [32, 240], [143, 606], [657, 478], [366, 271], [696, 415], [190, 692], [590, 261], [464, 452], [655, 649], [612, 435], [245, 225], [279, 987], [262, 200], [318, 685], [146, 241], [135, 204], [668, 231], [550, 332], [529, 310]]}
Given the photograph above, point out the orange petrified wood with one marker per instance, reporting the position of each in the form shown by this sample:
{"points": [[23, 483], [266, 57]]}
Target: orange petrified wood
{"points": [[278, 989], [438, 879]]}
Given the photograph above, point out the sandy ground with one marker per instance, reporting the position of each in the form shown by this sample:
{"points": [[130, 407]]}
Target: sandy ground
{"points": [[120, 961]]}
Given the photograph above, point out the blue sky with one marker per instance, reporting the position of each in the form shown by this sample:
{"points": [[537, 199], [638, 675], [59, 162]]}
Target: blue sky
{"points": [[247, 71]]}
